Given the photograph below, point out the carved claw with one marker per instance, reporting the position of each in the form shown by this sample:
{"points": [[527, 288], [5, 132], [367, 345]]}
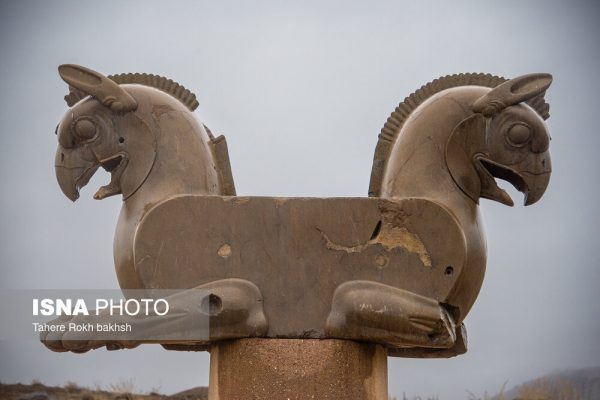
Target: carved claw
{"points": [[459, 347], [365, 310]]}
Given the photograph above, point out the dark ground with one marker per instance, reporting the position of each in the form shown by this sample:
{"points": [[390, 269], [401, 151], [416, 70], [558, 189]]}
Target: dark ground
{"points": [[37, 391]]}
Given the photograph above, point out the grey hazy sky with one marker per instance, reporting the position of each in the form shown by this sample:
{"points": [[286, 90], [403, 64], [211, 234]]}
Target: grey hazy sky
{"points": [[301, 90]]}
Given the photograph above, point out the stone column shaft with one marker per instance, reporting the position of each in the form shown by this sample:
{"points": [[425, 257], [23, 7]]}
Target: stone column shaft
{"points": [[297, 369]]}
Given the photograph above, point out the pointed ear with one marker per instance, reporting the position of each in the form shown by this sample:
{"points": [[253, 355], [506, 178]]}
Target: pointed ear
{"points": [[462, 144], [512, 92], [97, 85]]}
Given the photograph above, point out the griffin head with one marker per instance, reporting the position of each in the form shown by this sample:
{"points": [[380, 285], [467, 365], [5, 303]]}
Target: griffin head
{"points": [[102, 130], [504, 138]]}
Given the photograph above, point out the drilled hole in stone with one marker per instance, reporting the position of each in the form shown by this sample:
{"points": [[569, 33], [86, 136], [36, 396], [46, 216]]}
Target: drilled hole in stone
{"points": [[449, 270], [121, 139], [212, 304], [224, 251]]}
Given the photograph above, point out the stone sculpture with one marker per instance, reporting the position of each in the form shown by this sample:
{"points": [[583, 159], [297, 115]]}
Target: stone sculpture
{"points": [[400, 268]]}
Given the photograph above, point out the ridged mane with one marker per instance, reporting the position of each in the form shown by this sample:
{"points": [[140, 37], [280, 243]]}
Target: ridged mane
{"points": [[394, 123], [168, 86]]}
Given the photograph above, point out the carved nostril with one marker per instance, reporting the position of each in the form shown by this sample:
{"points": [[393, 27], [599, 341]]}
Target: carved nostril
{"points": [[62, 157]]}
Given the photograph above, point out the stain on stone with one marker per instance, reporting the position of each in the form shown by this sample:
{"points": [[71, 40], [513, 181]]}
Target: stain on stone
{"points": [[394, 237], [381, 260], [224, 251], [390, 237], [159, 109], [237, 200]]}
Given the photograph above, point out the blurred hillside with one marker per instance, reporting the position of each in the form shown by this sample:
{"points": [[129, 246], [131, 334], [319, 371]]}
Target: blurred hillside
{"points": [[574, 384], [70, 391]]}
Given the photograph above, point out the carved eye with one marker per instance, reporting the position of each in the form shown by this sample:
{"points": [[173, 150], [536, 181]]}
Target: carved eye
{"points": [[84, 129], [518, 134]]}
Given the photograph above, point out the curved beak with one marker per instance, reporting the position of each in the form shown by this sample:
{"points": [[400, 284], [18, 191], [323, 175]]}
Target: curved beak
{"points": [[537, 184], [73, 171], [535, 171], [530, 177]]}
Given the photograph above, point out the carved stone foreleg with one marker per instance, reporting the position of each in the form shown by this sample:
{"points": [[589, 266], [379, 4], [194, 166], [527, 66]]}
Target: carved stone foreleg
{"points": [[371, 311], [219, 310], [235, 309]]}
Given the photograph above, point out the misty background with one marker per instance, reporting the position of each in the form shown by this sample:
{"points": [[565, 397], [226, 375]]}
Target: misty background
{"points": [[301, 90]]}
